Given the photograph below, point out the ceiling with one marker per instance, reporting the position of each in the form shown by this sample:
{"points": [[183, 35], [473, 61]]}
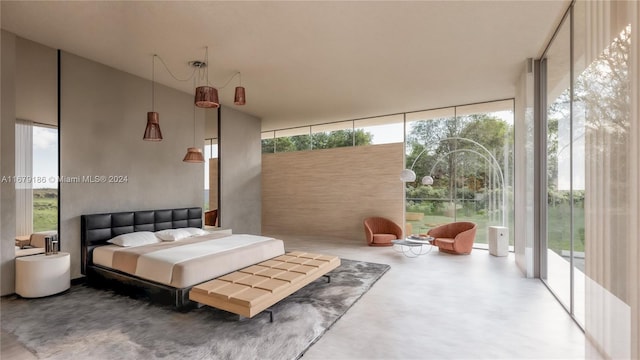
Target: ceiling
{"points": [[308, 62]]}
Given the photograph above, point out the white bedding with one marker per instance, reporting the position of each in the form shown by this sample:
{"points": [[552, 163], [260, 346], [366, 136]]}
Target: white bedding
{"points": [[158, 265], [189, 262]]}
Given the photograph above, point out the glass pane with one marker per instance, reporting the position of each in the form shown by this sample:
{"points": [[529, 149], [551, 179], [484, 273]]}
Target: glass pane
{"points": [[431, 205], [467, 157], [601, 161], [296, 139], [486, 140], [334, 135], [380, 130], [268, 142], [45, 166], [558, 165]]}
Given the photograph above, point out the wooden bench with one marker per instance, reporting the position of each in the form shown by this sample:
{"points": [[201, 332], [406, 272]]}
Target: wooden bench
{"points": [[252, 290]]}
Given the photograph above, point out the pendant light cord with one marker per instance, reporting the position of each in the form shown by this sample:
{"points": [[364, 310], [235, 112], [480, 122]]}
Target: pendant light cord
{"points": [[193, 72], [231, 78], [206, 62], [153, 82], [172, 75], [194, 118]]}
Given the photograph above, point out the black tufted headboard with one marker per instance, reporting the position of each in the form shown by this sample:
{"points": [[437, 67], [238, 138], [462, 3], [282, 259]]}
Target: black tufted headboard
{"points": [[96, 229]]}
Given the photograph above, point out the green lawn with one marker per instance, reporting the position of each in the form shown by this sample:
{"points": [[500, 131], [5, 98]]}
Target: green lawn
{"points": [[558, 225], [45, 209], [439, 212]]}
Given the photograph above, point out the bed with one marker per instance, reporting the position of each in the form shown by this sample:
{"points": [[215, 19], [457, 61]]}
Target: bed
{"points": [[143, 271]]}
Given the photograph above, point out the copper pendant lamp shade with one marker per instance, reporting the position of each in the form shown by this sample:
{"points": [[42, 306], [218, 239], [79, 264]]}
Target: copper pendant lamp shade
{"points": [[152, 131], [207, 97], [239, 99], [194, 155]]}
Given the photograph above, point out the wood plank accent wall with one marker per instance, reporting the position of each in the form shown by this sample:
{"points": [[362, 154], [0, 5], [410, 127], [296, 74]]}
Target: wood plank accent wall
{"points": [[331, 191]]}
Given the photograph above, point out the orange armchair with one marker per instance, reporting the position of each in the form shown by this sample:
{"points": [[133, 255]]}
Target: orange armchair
{"points": [[380, 231], [454, 238]]}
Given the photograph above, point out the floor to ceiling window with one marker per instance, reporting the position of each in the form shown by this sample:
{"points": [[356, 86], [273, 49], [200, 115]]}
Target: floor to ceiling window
{"points": [[559, 210], [368, 131], [466, 153], [589, 180]]}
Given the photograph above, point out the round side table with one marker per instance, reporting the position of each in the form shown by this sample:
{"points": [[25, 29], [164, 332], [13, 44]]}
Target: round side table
{"points": [[413, 247], [42, 275]]}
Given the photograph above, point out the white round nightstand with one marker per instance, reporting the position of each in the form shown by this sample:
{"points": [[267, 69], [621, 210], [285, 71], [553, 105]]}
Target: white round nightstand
{"points": [[42, 275]]}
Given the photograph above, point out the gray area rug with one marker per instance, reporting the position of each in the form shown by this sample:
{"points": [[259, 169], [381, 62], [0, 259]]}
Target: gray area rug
{"points": [[87, 323]]}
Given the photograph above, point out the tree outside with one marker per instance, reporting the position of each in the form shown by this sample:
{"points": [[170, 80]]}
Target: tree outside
{"points": [[467, 183], [320, 140], [601, 98]]}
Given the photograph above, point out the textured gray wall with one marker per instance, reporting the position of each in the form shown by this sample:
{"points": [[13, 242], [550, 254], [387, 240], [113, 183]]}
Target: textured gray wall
{"points": [[36, 82], [28, 72], [7, 163], [240, 172], [103, 116]]}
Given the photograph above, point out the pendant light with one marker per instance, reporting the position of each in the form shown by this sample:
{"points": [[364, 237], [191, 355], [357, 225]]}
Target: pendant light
{"points": [[152, 131], [239, 98], [194, 154], [206, 96]]}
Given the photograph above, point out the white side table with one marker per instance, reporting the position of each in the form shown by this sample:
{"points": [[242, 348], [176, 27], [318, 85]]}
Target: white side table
{"points": [[42, 275]]}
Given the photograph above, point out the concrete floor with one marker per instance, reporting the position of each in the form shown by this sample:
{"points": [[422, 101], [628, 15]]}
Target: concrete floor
{"points": [[440, 306], [436, 306], [11, 348]]}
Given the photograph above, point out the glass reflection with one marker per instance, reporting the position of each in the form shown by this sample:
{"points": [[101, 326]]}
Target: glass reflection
{"points": [[558, 171]]}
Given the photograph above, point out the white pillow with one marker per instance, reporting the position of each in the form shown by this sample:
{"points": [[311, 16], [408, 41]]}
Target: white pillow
{"points": [[172, 234], [135, 239], [195, 231]]}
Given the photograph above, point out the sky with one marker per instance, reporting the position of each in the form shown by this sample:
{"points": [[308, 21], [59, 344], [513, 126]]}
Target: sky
{"points": [[45, 156]]}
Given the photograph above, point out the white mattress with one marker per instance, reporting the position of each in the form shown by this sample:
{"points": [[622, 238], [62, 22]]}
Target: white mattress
{"points": [[187, 263]]}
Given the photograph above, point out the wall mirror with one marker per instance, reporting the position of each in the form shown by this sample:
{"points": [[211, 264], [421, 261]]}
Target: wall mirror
{"points": [[211, 166], [36, 142]]}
